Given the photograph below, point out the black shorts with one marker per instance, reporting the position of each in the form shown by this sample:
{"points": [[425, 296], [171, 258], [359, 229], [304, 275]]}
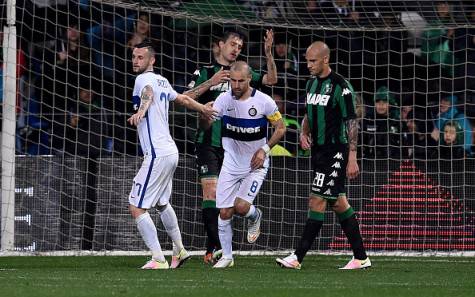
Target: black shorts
{"points": [[329, 171], [209, 160]]}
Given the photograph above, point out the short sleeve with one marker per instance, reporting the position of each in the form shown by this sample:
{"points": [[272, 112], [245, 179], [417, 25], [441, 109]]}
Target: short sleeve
{"points": [[219, 104], [172, 94], [271, 111], [199, 76], [347, 101]]}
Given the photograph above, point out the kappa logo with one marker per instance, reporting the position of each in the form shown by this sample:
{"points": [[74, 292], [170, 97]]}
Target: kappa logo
{"points": [[318, 99], [331, 183], [327, 192], [334, 174], [336, 165], [338, 156], [346, 91]]}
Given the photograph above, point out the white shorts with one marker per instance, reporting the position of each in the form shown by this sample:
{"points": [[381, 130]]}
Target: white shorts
{"points": [[153, 183], [245, 186]]}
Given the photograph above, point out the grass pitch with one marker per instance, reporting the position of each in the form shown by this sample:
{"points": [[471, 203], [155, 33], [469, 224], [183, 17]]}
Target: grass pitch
{"points": [[251, 276]]}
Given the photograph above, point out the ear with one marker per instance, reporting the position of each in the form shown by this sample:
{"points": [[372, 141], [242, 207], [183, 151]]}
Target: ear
{"points": [[221, 44]]}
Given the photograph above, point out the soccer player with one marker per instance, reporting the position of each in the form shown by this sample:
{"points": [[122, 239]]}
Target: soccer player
{"points": [[330, 129], [152, 185], [245, 113], [207, 83]]}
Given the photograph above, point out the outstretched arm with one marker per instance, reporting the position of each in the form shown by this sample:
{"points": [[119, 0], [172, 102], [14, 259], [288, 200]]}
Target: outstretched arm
{"points": [[146, 99], [270, 78], [207, 111], [219, 77], [352, 169]]}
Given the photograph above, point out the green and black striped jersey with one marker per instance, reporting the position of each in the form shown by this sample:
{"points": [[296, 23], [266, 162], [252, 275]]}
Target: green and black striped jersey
{"points": [[330, 102], [212, 136]]}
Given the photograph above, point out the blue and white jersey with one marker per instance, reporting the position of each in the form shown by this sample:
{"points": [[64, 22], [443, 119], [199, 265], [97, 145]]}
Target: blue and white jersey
{"points": [[244, 127], [153, 129]]}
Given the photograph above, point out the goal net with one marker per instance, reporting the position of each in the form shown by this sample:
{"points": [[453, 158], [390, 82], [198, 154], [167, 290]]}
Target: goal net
{"points": [[410, 63]]}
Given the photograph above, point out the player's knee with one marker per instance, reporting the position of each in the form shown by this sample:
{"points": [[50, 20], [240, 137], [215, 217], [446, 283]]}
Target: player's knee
{"points": [[225, 213], [209, 194], [241, 207], [317, 204], [135, 211], [341, 204], [209, 189], [161, 208]]}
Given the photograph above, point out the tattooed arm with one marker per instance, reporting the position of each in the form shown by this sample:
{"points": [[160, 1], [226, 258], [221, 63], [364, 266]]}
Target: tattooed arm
{"points": [[146, 99], [222, 76], [270, 78], [352, 169]]}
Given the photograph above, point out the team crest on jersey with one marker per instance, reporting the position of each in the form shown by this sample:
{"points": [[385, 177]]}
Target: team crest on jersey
{"points": [[252, 112], [328, 88], [204, 169]]}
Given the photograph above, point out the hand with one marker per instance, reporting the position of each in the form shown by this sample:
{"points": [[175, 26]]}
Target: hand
{"points": [[268, 41], [258, 159], [352, 169], [220, 77], [74, 121], [63, 55], [355, 16], [207, 112], [305, 141], [435, 134], [136, 118]]}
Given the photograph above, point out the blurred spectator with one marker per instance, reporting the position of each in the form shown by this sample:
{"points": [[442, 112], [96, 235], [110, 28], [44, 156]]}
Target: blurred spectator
{"points": [[339, 13], [436, 43], [417, 142], [448, 111], [381, 133], [285, 60], [141, 32], [86, 124], [287, 67], [20, 71], [452, 143]]}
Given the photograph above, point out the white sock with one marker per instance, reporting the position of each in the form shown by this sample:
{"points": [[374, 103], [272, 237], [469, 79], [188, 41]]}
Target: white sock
{"points": [[170, 223], [252, 214], [149, 234], [226, 237]]}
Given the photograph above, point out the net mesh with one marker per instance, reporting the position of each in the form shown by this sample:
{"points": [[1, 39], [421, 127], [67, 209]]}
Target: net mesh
{"points": [[76, 155]]}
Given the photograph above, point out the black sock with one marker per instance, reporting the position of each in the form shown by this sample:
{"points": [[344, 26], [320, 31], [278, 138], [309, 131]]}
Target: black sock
{"points": [[352, 231], [217, 243], [312, 228], [210, 221]]}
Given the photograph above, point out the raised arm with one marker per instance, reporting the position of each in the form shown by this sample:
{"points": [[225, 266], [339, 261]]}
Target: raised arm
{"points": [[270, 78], [146, 99]]}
